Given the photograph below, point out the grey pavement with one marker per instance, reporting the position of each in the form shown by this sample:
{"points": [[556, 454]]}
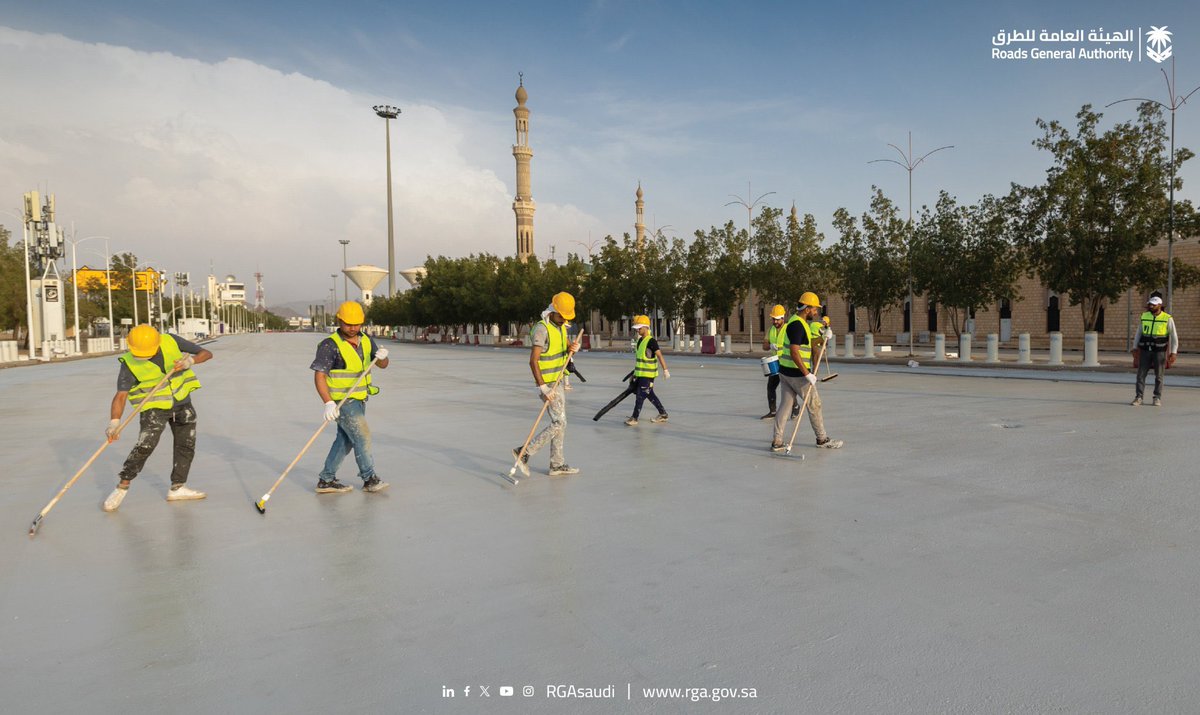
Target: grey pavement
{"points": [[981, 544]]}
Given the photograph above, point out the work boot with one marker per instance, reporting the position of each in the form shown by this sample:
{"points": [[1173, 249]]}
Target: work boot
{"points": [[113, 502], [562, 470], [829, 443], [1158, 402], [375, 484], [523, 462], [769, 416], [777, 447], [632, 422], [182, 492], [333, 486], [662, 417], [1137, 402]]}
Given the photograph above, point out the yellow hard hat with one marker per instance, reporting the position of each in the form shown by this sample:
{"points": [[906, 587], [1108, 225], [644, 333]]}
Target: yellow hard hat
{"points": [[351, 313], [641, 321], [778, 312], [143, 341], [564, 304], [825, 320], [809, 298]]}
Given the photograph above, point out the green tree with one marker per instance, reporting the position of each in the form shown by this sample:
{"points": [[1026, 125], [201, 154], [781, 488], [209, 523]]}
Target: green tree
{"points": [[12, 287], [718, 274], [870, 262], [1103, 203], [789, 260]]}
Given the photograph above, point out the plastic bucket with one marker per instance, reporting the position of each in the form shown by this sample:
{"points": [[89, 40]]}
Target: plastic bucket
{"points": [[770, 365]]}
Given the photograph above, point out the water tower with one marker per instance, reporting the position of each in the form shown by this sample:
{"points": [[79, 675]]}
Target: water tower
{"points": [[366, 278], [413, 275]]}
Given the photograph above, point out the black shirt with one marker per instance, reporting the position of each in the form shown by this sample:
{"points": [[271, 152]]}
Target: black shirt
{"points": [[797, 335]]}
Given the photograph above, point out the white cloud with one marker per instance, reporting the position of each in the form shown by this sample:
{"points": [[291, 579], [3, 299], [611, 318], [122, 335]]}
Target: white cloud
{"points": [[183, 161]]}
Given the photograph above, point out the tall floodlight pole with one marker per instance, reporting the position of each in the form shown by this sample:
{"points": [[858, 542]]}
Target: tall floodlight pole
{"points": [[333, 292], [25, 219], [388, 112], [346, 278], [750, 240], [909, 165], [1176, 103]]}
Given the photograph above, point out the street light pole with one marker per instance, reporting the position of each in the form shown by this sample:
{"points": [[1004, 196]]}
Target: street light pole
{"points": [[1177, 102], [388, 113], [750, 240], [909, 165], [75, 281], [345, 278]]}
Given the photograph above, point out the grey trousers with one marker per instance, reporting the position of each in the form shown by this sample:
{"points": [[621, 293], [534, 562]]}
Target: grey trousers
{"points": [[1156, 359], [554, 433], [792, 390]]}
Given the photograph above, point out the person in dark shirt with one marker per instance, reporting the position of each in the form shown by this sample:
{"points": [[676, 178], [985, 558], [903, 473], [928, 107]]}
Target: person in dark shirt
{"points": [[647, 359], [801, 349]]}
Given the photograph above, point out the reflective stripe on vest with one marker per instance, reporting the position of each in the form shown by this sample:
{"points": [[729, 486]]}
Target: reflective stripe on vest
{"points": [[148, 375], [775, 337], [646, 365], [340, 381], [785, 358], [1155, 334], [552, 363]]}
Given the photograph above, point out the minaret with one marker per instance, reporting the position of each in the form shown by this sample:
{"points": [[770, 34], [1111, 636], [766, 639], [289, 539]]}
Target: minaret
{"points": [[640, 226], [523, 205]]}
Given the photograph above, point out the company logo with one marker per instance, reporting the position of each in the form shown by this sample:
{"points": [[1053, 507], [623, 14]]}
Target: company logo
{"points": [[1158, 43]]}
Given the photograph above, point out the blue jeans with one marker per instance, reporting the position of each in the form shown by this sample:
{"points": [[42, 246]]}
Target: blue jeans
{"points": [[352, 433]]}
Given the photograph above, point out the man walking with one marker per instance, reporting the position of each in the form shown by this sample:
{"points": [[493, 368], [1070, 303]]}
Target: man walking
{"points": [[774, 341], [341, 360], [548, 362], [152, 356], [1158, 344], [797, 379], [648, 357]]}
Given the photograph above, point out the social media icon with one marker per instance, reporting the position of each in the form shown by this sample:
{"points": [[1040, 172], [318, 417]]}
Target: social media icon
{"points": [[527, 691], [506, 691]]}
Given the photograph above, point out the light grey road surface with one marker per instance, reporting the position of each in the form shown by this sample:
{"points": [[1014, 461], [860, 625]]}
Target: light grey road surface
{"points": [[979, 545]]}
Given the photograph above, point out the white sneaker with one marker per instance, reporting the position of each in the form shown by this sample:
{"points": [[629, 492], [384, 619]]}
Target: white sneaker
{"points": [[184, 493], [114, 500], [830, 443]]}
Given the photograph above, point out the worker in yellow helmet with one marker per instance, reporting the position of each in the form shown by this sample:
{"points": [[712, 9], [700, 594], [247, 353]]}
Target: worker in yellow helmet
{"points": [[647, 359], [341, 360], [797, 379], [774, 342], [151, 356], [548, 359]]}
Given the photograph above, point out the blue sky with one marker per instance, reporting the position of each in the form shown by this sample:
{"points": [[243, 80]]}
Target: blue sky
{"points": [[245, 131]]}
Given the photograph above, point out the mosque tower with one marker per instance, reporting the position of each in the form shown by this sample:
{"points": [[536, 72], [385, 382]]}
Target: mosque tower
{"points": [[523, 205], [640, 227]]}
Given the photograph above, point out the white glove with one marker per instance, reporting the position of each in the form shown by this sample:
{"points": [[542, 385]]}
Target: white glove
{"points": [[666, 373], [381, 354], [331, 411], [827, 333], [545, 390], [185, 363], [812, 379], [111, 431]]}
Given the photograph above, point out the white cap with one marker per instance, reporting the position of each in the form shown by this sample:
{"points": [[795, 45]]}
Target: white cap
{"points": [[637, 325], [1155, 301]]}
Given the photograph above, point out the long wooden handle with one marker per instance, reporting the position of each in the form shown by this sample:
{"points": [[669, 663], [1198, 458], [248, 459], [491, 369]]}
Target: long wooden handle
{"points": [[804, 408]]}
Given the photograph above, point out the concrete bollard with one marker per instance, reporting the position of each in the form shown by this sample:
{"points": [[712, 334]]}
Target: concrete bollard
{"points": [[1091, 349], [848, 341], [1055, 349], [832, 345], [939, 347], [728, 344], [696, 343], [675, 342], [868, 346], [1023, 355], [993, 348], [8, 351], [964, 347]]}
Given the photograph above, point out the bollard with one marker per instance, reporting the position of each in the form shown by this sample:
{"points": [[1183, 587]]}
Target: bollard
{"points": [[939, 347], [964, 347], [728, 344], [993, 348], [1023, 356], [832, 346], [675, 342], [1055, 348], [698, 343], [849, 343], [1091, 349], [868, 346]]}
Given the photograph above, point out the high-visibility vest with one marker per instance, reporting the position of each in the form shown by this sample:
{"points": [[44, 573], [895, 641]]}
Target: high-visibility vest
{"points": [[148, 374], [552, 363], [646, 365], [785, 358], [776, 336], [340, 381], [1154, 331]]}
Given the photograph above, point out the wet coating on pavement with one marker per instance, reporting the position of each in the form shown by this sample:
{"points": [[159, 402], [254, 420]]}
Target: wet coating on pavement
{"points": [[978, 545]]}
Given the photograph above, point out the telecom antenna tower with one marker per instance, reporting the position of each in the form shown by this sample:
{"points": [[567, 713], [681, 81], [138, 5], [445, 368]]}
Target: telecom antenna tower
{"points": [[260, 299]]}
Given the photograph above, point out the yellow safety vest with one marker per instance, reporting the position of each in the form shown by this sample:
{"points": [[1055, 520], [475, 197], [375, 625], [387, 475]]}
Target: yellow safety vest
{"points": [[646, 365], [775, 336], [148, 374], [552, 363], [785, 358], [1154, 331], [340, 381]]}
